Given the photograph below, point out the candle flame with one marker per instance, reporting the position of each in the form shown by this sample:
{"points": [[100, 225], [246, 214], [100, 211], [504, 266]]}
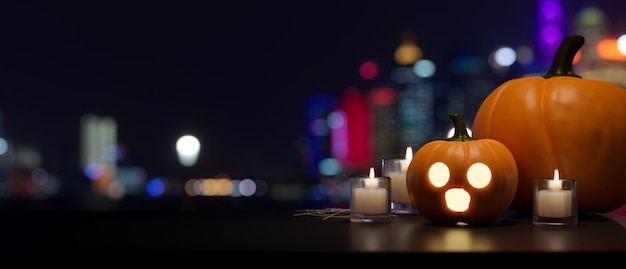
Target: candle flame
{"points": [[556, 183], [409, 153], [372, 181], [556, 174]]}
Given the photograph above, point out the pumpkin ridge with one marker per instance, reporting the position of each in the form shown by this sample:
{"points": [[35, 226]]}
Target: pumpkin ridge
{"points": [[497, 148], [543, 114], [467, 150], [616, 200], [491, 109]]}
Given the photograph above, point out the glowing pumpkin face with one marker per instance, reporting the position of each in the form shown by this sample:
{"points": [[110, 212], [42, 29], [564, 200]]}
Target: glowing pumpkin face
{"points": [[462, 179]]}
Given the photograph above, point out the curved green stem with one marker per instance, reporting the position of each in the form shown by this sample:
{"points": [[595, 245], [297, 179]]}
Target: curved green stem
{"points": [[460, 130], [564, 56]]}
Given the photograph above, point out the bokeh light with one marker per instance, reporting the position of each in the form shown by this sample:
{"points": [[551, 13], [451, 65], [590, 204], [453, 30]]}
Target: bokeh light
{"points": [[467, 64], [39, 176], [4, 146], [424, 68], [505, 56], [451, 132], [608, 49], [621, 44], [318, 127], [408, 52], [247, 187], [368, 70], [155, 187], [382, 96], [94, 171], [525, 55], [330, 166], [187, 149]]}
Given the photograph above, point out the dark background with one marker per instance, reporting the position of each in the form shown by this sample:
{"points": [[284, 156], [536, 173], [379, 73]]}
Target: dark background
{"points": [[237, 74]]}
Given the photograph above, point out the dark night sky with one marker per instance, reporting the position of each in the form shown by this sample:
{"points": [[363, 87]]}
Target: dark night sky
{"points": [[235, 73]]}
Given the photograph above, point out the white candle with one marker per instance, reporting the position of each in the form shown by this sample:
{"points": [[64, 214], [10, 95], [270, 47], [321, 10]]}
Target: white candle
{"points": [[371, 199], [554, 202], [399, 191]]}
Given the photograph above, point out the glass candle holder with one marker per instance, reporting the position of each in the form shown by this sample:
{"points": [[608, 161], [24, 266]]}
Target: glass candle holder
{"points": [[369, 199], [555, 202], [396, 170]]}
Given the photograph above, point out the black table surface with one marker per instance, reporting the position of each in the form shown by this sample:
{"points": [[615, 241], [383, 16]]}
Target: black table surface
{"points": [[284, 231]]}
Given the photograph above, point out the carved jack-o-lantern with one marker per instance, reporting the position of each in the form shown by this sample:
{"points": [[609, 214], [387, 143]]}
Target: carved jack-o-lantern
{"points": [[462, 179]]}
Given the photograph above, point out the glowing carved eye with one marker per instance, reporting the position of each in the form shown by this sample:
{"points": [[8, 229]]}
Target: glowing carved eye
{"points": [[479, 175], [438, 174]]}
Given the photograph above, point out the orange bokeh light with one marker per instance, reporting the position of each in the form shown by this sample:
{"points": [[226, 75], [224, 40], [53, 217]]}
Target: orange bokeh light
{"points": [[607, 49]]}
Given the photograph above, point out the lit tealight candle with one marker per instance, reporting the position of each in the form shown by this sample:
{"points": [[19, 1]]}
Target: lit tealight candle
{"points": [[371, 199], [554, 202]]}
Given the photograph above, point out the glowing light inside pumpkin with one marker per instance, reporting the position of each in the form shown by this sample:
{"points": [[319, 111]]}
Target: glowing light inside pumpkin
{"points": [[479, 175], [438, 174], [457, 199]]}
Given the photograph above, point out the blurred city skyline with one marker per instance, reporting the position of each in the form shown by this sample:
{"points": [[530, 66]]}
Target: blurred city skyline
{"points": [[235, 75]]}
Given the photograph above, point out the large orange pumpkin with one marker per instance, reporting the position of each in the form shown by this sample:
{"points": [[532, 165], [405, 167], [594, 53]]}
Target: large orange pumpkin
{"points": [[561, 121], [462, 179]]}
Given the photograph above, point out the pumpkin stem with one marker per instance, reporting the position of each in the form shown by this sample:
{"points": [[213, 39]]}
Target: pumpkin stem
{"points": [[460, 130], [564, 56]]}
